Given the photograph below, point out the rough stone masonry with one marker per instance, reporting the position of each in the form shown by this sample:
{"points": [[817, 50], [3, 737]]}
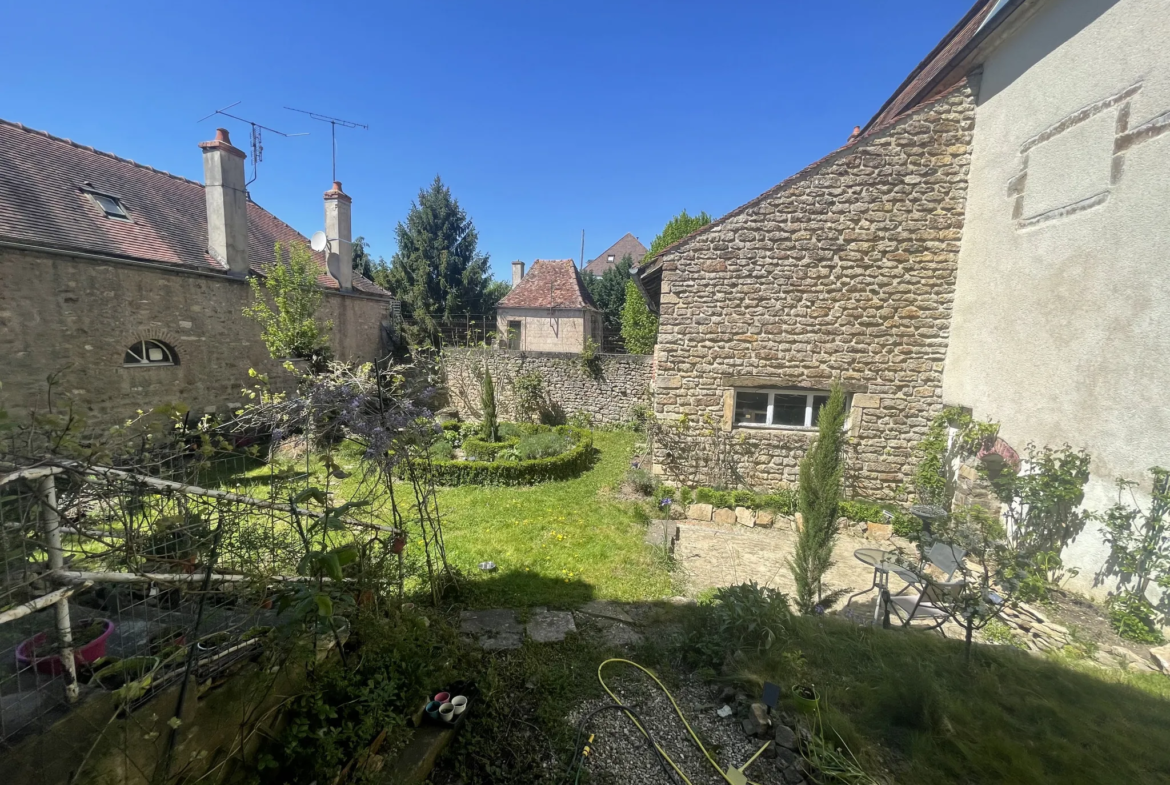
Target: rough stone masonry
{"points": [[610, 396], [846, 272]]}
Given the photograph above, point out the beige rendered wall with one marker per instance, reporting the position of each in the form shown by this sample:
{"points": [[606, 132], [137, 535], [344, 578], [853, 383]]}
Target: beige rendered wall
{"points": [[544, 329], [78, 316], [1061, 327]]}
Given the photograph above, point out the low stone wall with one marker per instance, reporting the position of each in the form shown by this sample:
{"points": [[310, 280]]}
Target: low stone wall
{"points": [[610, 396]]}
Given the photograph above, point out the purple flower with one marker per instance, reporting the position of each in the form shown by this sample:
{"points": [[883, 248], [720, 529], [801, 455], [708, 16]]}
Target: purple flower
{"points": [[665, 502]]}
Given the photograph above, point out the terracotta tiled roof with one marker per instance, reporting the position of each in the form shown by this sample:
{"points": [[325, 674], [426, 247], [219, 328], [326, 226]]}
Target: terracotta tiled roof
{"points": [[627, 246], [917, 86], [42, 203], [551, 283]]}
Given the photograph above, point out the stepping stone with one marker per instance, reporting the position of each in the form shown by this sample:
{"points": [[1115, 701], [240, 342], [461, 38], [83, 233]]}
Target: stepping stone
{"points": [[615, 633], [606, 610], [550, 626], [494, 630]]}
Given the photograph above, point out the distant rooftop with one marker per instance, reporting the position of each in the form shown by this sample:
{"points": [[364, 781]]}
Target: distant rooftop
{"points": [[551, 283]]}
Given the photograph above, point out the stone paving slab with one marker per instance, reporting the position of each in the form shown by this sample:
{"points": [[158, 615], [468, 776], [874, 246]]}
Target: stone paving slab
{"points": [[494, 630], [550, 626], [606, 610]]}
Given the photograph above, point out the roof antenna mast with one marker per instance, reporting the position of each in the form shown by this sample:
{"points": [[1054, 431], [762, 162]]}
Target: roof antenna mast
{"points": [[333, 123], [257, 138]]}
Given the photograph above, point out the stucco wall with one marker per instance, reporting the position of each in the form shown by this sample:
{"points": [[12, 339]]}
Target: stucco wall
{"points": [[847, 274], [546, 330], [1061, 326], [79, 316], [621, 384]]}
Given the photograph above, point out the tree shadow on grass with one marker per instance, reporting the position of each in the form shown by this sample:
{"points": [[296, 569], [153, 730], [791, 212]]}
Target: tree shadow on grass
{"points": [[521, 589]]}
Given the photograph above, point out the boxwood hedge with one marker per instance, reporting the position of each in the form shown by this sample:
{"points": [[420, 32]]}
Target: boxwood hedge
{"points": [[559, 467]]}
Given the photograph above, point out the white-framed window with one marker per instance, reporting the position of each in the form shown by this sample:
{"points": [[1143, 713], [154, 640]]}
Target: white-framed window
{"points": [[779, 408], [150, 352]]}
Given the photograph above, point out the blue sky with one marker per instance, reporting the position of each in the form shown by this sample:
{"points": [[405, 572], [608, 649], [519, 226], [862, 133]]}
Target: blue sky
{"points": [[545, 118]]}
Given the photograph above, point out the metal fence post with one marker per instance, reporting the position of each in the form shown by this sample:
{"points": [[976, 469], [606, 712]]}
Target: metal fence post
{"points": [[47, 490]]}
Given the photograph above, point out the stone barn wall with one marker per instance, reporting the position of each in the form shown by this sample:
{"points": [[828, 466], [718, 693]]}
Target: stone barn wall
{"points": [[621, 384], [77, 317], [846, 272]]}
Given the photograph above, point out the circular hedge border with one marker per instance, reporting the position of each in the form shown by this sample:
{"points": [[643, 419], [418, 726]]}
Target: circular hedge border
{"points": [[568, 464]]}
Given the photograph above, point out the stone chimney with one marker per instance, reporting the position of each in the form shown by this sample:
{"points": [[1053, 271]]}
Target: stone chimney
{"points": [[227, 202], [340, 233], [517, 273]]}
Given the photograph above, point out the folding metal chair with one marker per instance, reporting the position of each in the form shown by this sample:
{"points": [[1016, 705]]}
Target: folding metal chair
{"points": [[929, 605], [947, 558]]}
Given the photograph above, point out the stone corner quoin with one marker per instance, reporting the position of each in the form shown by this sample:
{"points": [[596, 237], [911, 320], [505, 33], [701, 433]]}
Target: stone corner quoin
{"points": [[847, 273]]}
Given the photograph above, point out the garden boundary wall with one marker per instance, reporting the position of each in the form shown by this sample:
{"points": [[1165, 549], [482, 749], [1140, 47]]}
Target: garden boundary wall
{"points": [[611, 392]]}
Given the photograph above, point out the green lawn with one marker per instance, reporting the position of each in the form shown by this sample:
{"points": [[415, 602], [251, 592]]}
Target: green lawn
{"points": [[914, 710], [557, 543]]}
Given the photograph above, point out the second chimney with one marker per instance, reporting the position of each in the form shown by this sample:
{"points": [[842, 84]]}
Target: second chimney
{"points": [[227, 202], [517, 273], [339, 230]]}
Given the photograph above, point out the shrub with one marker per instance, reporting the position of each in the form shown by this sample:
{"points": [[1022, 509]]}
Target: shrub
{"points": [[441, 450], [581, 420], [517, 472], [480, 450], [529, 396], [820, 494], [1134, 618], [642, 481], [737, 618], [541, 445]]}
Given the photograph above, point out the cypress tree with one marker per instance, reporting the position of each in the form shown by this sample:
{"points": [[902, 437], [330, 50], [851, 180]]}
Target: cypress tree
{"points": [[819, 495], [491, 429]]}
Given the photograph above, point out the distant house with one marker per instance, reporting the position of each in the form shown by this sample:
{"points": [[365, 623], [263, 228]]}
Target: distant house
{"points": [[548, 310], [627, 246], [130, 282]]}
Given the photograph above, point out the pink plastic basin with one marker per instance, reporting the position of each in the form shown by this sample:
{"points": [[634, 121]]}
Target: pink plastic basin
{"points": [[26, 652]]}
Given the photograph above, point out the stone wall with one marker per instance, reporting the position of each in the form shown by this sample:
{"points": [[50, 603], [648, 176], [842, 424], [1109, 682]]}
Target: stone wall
{"points": [[78, 316], [621, 383], [550, 330], [845, 272]]}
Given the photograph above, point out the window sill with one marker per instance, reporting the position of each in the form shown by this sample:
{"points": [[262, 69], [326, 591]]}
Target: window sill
{"points": [[757, 427]]}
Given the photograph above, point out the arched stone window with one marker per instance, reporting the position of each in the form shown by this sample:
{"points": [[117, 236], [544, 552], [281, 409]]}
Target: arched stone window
{"points": [[150, 351]]}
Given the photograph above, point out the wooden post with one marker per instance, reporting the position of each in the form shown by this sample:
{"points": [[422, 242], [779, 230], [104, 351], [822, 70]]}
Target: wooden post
{"points": [[47, 490]]}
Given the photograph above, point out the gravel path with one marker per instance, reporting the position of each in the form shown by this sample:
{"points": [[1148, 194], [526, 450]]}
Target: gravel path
{"points": [[620, 753]]}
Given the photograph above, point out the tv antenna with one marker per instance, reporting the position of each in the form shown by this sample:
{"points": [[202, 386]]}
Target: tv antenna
{"points": [[257, 137], [333, 123]]}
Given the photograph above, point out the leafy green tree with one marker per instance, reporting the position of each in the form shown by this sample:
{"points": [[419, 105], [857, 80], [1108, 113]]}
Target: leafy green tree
{"points": [[493, 293], [438, 270], [367, 267], [819, 495], [289, 327], [1140, 553], [639, 326], [609, 291], [676, 229], [490, 429]]}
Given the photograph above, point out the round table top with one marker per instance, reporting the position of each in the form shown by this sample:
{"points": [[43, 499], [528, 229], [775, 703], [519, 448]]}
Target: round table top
{"points": [[874, 557]]}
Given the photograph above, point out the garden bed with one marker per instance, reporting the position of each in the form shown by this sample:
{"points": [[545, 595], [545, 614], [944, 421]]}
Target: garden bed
{"points": [[504, 462]]}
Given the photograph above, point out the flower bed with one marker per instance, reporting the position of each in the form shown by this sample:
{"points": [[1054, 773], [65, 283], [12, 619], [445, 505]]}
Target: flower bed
{"points": [[565, 465]]}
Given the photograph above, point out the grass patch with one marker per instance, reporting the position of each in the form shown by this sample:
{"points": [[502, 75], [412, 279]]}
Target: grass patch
{"points": [[912, 710], [559, 543]]}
